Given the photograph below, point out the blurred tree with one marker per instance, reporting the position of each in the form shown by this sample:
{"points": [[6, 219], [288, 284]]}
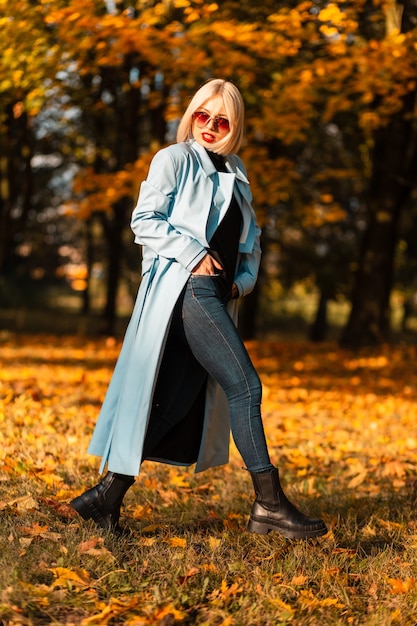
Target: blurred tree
{"points": [[348, 72], [26, 53], [330, 99], [128, 71]]}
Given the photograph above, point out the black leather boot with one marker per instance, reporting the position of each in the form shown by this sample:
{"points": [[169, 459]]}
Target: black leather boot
{"points": [[273, 511], [102, 503]]}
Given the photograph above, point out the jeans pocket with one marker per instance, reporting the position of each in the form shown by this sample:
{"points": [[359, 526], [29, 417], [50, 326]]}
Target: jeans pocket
{"points": [[203, 284]]}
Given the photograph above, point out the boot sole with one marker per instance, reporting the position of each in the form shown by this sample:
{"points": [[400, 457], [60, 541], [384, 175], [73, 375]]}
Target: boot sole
{"points": [[263, 528]]}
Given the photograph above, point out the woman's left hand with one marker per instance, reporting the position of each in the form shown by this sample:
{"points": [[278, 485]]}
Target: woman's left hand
{"points": [[235, 291]]}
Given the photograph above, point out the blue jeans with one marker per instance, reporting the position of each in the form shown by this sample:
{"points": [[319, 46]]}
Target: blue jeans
{"points": [[218, 347]]}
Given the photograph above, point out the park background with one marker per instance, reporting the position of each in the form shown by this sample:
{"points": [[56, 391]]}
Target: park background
{"points": [[89, 90]]}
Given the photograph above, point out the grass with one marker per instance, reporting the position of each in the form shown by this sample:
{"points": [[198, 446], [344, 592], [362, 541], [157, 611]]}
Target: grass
{"points": [[341, 427]]}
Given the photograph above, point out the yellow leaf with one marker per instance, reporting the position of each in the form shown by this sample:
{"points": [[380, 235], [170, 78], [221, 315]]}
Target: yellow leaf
{"points": [[148, 541], [357, 480], [179, 481], [226, 592], [177, 542], [141, 511], [77, 577], [394, 468], [328, 31], [390, 525], [152, 527], [209, 567], [332, 602], [50, 478], [331, 13], [166, 611], [214, 542], [281, 605], [116, 607], [308, 599]]}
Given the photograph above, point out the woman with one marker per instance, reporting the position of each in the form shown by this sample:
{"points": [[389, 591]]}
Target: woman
{"points": [[184, 377]]}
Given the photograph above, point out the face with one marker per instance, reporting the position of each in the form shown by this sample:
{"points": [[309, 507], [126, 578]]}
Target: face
{"points": [[212, 125]]}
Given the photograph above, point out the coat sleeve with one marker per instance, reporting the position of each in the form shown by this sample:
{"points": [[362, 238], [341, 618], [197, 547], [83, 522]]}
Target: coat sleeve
{"points": [[150, 219], [248, 267]]}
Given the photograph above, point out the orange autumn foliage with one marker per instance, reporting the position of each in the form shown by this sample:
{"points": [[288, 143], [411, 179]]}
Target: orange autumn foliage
{"points": [[346, 419]]}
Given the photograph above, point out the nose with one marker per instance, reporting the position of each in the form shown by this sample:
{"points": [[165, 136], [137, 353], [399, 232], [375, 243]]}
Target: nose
{"points": [[211, 123]]}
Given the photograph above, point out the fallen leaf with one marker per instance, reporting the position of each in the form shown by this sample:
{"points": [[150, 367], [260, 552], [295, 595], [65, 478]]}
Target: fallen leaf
{"points": [[191, 572], [402, 586], [77, 577], [299, 580], [24, 503], [177, 542]]}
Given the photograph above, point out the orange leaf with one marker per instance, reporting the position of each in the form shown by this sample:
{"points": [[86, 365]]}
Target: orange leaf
{"points": [[85, 546], [192, 572], [402, 586], [35, 529], [299, 580]]}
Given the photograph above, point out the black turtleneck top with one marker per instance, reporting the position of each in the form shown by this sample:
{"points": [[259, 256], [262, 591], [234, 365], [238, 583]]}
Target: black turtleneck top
{"points": [[225, 241]]}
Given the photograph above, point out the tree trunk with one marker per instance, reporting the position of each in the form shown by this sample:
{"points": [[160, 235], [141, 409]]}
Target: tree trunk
{"points": [[5, 210], [126, 150], [368, 323], [392, 181], [16, 182], [320, 326], [86, 296], [114, 238]]}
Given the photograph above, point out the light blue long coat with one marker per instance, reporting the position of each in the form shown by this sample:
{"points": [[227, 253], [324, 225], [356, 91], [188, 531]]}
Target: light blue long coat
{"points": [[180, 205]]}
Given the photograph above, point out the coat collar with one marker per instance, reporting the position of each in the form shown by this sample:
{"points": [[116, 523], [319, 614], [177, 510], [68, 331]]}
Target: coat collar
{"points": [[232, 162]]}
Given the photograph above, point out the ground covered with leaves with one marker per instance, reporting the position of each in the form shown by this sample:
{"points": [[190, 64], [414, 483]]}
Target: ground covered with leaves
{"points": [[342, 427]]}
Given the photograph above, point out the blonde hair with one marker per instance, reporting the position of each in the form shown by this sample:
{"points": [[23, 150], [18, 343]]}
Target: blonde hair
{"points": [[235, 111]]}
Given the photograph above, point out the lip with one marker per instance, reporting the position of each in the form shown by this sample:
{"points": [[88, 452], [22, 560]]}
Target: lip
{"points": [[208, 137]]}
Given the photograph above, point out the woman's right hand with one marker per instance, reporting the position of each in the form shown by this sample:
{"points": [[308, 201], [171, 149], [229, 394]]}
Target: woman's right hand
{"points": [[208, 266]]}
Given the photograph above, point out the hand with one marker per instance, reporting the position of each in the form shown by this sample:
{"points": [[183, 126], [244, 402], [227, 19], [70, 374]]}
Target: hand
{"points": [[208, 266], [235, 291]]}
